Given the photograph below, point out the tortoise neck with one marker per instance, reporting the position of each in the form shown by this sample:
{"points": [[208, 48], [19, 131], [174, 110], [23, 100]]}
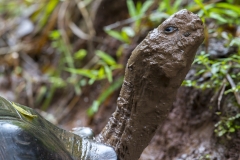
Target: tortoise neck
{"points": [[140, 110], [154, 72]]}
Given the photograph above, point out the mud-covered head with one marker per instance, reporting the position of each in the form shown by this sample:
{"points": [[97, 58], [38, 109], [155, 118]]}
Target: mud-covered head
{"points": [[174, 43], [184, 28]]}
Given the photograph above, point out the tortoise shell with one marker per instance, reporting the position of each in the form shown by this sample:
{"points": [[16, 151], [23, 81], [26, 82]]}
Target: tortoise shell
{"points": [[24, 137]]}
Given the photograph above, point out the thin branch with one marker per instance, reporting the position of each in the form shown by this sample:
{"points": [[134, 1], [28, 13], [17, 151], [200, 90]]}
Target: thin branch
{"points": [[86, 16], [78, 32], [221, 93]]}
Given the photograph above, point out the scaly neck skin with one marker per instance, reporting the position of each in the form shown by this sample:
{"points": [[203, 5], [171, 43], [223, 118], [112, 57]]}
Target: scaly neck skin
{"points": [[153, 74]]}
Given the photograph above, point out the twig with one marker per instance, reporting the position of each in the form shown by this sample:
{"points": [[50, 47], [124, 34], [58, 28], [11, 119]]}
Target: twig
{"points": [[86, 17], [82, 7], [78, 32], [221, 93], [15, 48], [61, 20], [119, 24]]}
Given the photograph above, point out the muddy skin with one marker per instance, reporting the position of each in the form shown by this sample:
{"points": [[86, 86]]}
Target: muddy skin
{"points": [[153, 74]]}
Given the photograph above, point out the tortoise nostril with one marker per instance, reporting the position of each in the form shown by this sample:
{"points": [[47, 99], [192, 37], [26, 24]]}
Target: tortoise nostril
{"points": [[186, 34]]}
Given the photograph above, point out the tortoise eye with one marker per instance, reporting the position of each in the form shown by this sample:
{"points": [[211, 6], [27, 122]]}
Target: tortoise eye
{"points": [[170, 29]]}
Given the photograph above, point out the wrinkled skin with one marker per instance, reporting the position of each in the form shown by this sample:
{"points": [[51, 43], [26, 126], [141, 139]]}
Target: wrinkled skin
{"points": [[153, 74]]}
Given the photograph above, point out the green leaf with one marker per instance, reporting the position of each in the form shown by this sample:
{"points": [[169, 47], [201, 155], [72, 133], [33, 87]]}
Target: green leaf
{"points": [[117, 66], [80, 54], [91, 81], [94, 108], [92, 74], [57, 81], [108, 73], [167, 6], [101, 74], [105, 57], [46, 12], [115, 34], [232, 129], [54, 35], [237, 126], [138, 8], [189, 83], [104, 95], [235, 42], [162, 6], [229, 6], [145, 6], [201, 5], [231, 13], [158, 16], [83, 82], [125, 37], [228, 123], [176, 5], [129, 31], [221, 133], [217, 17], [131, 8]]}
